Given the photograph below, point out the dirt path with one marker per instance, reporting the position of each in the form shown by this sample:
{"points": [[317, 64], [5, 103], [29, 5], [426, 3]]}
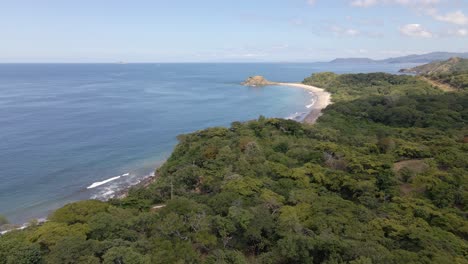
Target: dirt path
{"points": [[444, 87]]}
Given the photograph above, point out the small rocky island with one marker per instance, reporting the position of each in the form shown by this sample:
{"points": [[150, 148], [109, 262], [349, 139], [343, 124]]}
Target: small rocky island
{"points": [[256, 81]]}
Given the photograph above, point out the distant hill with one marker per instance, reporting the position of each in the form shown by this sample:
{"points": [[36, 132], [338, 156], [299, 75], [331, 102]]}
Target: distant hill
{"points": [[422, 58], [426, 58], [452, 73], [441, 67], [353, 60]]}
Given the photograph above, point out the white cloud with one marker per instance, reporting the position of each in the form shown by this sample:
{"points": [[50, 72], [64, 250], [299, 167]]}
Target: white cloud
{"points": [[279, 47], [296, 22], [345, 32], [364, 3], [413, 3], [311, 2], [461, 32], [415, 30], [351, 32], [455, 18]]}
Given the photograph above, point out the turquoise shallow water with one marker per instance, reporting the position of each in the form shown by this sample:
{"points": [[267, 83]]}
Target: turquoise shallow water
{"points": [[78, 131]]}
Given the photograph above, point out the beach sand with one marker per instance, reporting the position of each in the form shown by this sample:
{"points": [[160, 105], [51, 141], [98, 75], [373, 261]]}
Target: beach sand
{"points": [[323, 100]]}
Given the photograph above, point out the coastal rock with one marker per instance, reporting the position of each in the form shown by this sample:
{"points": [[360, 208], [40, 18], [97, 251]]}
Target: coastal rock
{"points": [[257, 81]]}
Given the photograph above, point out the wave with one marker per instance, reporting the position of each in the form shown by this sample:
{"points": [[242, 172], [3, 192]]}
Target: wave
{"points": [[312, 102], [115, 189], [97, 184], [298, 116], [23, 226]]}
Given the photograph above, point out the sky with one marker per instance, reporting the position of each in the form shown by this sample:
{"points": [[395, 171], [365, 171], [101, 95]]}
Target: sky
{"points": [[227, 31]]}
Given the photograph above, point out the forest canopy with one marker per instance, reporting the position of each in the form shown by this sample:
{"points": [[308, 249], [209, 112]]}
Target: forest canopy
{"points": [[381, 178]]}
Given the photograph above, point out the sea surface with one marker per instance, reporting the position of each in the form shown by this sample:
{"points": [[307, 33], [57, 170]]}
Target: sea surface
{"points": [[79, 131]]}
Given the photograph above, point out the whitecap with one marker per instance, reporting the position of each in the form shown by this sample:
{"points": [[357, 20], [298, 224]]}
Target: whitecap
{"points": [[297, 116], [311, 104], [97, 184], [23, 226]]}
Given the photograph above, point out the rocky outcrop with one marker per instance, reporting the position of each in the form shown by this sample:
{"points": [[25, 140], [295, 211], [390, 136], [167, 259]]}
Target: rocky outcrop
{"points": [[256, 81]]}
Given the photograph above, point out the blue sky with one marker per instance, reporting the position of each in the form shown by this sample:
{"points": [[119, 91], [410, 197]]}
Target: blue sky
{"points": [[223, 31]]}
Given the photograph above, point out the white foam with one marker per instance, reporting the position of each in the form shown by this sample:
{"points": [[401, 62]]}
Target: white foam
{"points": [[297, 116], [311, 104], [97, 184], [111, 190], [24, 226]]}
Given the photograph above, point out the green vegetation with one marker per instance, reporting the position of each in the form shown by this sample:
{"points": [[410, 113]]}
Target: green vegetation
{"points": [[453, 72], [381, 178], [348, 87], [450, 66], [3, 221], [456, 80]]}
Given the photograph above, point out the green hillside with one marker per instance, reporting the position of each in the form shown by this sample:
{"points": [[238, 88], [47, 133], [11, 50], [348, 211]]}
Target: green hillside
{"points": [[382, 177], [453, 72], [453, 65]]}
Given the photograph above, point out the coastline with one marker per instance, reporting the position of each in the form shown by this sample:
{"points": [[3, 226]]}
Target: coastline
{"points": [[323, 100]]}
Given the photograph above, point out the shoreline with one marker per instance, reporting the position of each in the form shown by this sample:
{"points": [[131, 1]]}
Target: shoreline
{"points": [[144, 182], [323, 100]]}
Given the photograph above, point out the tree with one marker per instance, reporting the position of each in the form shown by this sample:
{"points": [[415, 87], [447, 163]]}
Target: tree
{"points": [[3, 220], [124, 255], [49, 234], [15, 248], [73, 250], [78, 212]]}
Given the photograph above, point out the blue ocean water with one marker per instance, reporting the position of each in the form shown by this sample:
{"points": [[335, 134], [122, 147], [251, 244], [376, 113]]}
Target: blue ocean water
{"points": [[79, 131]]}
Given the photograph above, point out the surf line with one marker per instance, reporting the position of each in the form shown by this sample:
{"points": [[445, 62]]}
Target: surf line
{"points": [[97, 184]]}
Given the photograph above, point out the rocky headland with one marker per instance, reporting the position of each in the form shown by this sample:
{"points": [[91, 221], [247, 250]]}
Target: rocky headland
{"points": [[255, 81]]}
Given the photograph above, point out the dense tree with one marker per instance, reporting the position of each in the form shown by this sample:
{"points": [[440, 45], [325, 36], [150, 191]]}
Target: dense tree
{"points": [[381, 178], [3, 220]]}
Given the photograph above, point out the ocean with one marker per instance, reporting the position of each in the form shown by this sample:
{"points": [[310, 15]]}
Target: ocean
{"points": [[78, 131]]}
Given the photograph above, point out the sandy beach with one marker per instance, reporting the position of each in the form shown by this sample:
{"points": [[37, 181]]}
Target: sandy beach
{"points": [[323, 100]]}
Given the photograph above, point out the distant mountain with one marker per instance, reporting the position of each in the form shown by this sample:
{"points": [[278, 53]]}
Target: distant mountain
{"points": [[426, 58], [353, 60], [452, 65], [422, 58]]}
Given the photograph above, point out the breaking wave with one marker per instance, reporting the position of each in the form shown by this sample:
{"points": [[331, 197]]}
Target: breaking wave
{"points": [[97, 184]]}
